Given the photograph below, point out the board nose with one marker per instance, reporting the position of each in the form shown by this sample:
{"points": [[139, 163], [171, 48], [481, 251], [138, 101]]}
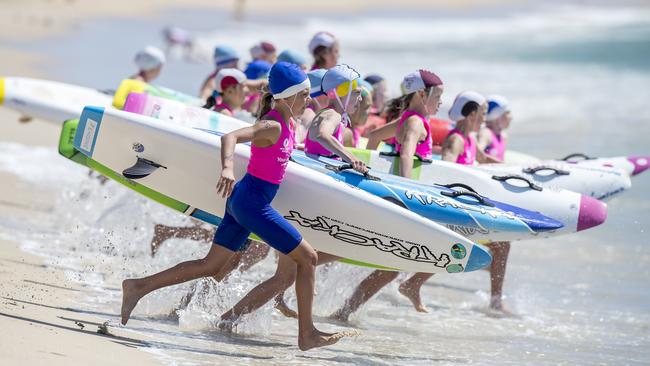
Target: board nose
{"points": [[641, 163], [2, 90], [478, 259], [592, 213]]}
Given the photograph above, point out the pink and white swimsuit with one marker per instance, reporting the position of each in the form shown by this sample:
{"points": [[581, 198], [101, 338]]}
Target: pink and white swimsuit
{"points": [[424, 148], [468, 157], [270, 163]]}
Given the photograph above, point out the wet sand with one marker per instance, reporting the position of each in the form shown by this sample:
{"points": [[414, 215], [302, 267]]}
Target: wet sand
{"points": [[38, 311]]}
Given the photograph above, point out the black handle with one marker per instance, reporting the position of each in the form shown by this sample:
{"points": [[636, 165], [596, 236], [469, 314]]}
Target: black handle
{"points": [[505, 178], [578, 155], [543, 168], [348, 166], [478, 197], [396, 154], [461, 185], [110, 92]]}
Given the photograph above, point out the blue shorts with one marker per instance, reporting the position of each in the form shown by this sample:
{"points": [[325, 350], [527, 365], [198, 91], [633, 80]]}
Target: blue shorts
{"points": [[248, 209]]}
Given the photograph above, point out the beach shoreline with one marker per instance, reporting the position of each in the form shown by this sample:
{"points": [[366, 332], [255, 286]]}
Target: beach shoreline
{"points": [[34, 19], [43, 324]]}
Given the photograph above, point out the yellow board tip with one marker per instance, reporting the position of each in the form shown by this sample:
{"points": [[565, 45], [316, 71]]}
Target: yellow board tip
{"points": [[127, 86], [2, 90]]}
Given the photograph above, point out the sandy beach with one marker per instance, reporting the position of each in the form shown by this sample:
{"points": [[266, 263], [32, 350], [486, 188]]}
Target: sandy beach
{"points": [[39, 314], [42, 321], [40, 18]]}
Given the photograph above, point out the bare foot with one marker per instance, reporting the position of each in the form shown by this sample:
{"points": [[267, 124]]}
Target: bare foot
{"points": [[130, 297], [226, 325], [322, 339], [414, 296], [158, 238], [497, 310], [501, 313], [282, 306]]}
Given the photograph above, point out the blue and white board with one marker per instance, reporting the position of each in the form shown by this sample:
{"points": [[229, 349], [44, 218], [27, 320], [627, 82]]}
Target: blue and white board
{"points": [[575, 211], [333, 216]]}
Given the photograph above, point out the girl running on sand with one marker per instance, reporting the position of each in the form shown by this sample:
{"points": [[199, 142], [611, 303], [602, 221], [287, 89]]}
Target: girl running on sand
{"points": [[249, 209]]}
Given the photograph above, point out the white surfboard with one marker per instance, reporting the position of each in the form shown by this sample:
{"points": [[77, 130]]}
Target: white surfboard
{"points": [[577, 212], [334, 217], [50, 101], [596, 182], [632, 165]]}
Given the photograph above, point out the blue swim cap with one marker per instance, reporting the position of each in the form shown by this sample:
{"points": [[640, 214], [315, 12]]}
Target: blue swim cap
{"points": [[338, 75], [287, 79], [366, 87], [224, 55], [258, 69], [497, 107], [374, 79], [293, 57], [315, 79]]}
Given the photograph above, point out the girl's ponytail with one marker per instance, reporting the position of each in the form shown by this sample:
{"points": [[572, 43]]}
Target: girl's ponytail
{"points": [[396, 106], [212, 100], [266, 102]]}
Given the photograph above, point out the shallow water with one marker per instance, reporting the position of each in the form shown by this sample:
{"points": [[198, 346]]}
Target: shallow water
{"points": [[578, 80]]}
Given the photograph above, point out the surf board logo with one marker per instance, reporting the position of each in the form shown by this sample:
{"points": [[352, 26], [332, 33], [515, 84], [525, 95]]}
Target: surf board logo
{"points": [[285, 143], [137, 147], [458, 251], [358, 236]]}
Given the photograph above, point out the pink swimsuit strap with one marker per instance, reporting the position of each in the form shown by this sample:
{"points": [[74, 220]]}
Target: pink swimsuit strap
{"points": [[314, 147], [468, 157], [497, 147], [270, 163], [424, 148], [225, 106]]}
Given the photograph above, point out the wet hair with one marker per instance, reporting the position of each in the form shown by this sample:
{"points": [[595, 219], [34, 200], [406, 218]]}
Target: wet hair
{"points": [[210, 102], [266, 103], [395, 107], [319, 56], [468, 108]]}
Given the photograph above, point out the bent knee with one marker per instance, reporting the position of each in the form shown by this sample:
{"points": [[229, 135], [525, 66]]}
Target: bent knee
{"points": [[304, 255], [311, 258]]}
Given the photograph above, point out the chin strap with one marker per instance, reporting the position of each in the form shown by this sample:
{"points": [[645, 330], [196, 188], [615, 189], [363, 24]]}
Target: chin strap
{"points": [[424, 103], [291, 106], [345, 117]]}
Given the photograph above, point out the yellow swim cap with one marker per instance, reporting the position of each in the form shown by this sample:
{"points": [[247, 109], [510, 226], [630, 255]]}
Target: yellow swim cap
{"points": [[343, 89]]}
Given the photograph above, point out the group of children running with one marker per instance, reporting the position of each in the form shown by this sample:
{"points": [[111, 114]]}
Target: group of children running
{"points": [[322, 110]]}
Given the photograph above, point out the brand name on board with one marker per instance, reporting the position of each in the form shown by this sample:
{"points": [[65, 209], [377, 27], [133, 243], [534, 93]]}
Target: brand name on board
{"points": [[358, 236], [427, 199]]}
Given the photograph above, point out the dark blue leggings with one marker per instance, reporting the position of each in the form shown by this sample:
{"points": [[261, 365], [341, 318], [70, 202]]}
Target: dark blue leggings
{"points": [[248, 209]]}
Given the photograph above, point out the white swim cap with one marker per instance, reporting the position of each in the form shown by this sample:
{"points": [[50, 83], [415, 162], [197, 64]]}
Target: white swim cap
{"points": [[228, 77], [497, 107], [456, 110], [149, 58], [325, 39]]}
